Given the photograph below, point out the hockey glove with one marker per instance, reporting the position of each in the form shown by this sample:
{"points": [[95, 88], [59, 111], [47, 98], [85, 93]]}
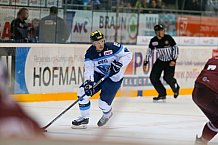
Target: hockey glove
{"points": [[115, 68], [89, 87]]}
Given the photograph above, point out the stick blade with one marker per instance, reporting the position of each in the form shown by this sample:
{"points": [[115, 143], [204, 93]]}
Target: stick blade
{"points": [[44, 128]]}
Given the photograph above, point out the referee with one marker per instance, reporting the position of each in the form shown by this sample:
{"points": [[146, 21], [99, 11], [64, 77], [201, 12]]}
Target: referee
{"points": [[167, 53]]}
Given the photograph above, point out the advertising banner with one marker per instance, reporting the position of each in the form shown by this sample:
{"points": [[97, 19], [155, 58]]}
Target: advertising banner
{"points": [[83, 22], [6, 2], [48, 69], [183, 41], [57, 3], [146, 24], [189, 64], [59, 68], [38, 3], [125, 24], [7, 55], [197, 26], [169, 21], [19, 2], [80, 23]]}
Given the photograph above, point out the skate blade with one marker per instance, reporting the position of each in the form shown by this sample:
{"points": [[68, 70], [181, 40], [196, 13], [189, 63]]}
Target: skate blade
{"points": [[160, 101], [83, 126]]}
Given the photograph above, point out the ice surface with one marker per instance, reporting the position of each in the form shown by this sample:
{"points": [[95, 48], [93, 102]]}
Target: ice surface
{"points": [[135, 121]]}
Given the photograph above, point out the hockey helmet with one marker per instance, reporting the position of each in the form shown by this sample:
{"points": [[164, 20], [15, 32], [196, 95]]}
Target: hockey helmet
{"points": [[96, 35], [159, 27]]}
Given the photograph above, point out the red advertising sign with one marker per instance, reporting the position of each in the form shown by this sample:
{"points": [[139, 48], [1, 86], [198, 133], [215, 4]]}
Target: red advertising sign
{"points": [[197, 26]]}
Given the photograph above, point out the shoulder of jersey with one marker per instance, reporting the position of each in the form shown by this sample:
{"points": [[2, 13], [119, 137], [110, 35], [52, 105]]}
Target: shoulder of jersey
{"points": [[90, 53], [167, 36], [113, 45], [154, 38], [213, 60]]}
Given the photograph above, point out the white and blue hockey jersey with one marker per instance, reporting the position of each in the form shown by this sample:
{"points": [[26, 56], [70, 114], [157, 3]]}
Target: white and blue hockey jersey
{"points": [[100, 61]]}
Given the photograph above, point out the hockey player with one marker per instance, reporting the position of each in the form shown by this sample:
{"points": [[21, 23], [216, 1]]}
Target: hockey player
{"points": [[205, 95], [167, 53], [101, 58], [14, 122]]}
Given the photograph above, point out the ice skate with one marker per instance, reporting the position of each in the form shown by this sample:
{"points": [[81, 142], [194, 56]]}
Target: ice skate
{"points": [[200, 141], [80, 123], [176, 93], [161, 99], [103, 120]]}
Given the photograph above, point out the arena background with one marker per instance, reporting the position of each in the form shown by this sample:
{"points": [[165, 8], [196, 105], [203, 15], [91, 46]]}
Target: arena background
{"points": [[52, 72]]}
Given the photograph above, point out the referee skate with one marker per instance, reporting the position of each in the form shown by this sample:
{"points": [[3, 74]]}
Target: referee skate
{"points": [[159, 99]]}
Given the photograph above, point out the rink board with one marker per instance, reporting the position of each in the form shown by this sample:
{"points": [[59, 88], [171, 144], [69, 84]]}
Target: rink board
{"points": [[73, 96], [46, 72]]}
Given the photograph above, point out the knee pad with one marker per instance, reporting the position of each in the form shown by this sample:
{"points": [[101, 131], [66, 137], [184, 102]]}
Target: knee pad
{"points": [[80, 91], [104, 106], [213, 126]]}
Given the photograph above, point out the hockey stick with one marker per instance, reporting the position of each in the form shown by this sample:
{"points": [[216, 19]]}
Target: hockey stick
{"points": [[50, 123]]}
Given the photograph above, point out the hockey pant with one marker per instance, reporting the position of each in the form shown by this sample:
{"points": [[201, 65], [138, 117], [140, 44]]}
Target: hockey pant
{"points": [[108, 90], [207, 101]]}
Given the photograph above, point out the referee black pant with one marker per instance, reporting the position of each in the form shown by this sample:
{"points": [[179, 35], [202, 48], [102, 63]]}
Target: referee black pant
{"points": [[169, 71]]}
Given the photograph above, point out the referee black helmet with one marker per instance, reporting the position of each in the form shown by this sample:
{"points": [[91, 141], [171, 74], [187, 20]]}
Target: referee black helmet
{"points": [[159, 27]]}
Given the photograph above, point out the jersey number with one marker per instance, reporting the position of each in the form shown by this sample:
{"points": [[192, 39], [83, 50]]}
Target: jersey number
{"points": [[116, 44]]}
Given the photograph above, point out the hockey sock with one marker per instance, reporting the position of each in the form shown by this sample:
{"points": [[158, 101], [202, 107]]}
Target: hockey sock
{"points": [[84, 109]]}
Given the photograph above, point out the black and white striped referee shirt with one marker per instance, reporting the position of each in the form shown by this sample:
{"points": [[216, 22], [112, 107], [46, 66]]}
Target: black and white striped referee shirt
{"points": [[166, 48]]}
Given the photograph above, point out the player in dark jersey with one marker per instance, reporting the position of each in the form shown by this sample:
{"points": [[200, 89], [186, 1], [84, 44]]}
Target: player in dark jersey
{"points": [[205, 95], [101, 58], [167, 53], [14, 121]]}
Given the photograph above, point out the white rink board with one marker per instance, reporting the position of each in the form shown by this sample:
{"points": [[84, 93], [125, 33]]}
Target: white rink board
{"points": [[58, 68], [55, 68], [183, 41]]}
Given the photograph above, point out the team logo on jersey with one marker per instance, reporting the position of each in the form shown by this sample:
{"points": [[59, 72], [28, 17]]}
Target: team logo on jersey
{"points": [[155, 43], [104, 68], [126, 49], [205, 79], [108, 52], [167, 42], [211, 67]]}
